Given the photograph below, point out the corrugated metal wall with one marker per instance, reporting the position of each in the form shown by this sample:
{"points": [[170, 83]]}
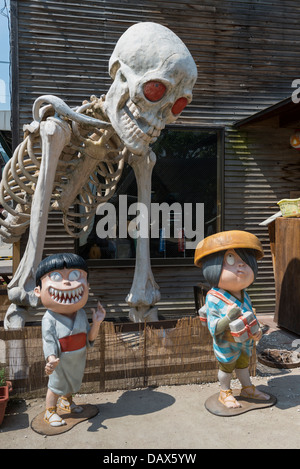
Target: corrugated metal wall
{"points": [[247, 53], [261, 169]]}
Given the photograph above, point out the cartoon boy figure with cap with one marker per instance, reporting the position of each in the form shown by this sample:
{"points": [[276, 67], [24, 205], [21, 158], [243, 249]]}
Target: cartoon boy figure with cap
{"points": [[229, 264], [62, 286]]}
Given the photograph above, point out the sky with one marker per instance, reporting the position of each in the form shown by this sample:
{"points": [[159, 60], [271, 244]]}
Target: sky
{"points": [[4, 56]]}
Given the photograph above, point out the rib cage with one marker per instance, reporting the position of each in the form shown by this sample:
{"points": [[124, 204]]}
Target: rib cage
{"points": [[20, 176]]}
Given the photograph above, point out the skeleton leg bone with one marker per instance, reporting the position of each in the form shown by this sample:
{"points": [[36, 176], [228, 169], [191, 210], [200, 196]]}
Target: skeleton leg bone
{"points": [[55, 134], [144, 292]]}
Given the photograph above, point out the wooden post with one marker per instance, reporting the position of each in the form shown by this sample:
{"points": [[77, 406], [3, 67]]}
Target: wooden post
{"points": [[15, 349], [102, 358], [287, 273], [16, 256], [146, 331]]}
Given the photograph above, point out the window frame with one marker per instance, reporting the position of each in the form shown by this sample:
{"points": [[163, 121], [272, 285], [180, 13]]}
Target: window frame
{"points": [[179, 261]]}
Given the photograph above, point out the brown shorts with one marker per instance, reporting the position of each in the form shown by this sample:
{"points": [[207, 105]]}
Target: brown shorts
{"points": [[241, 362]]}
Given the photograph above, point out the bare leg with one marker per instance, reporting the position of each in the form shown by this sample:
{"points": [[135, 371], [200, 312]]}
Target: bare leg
{"points": [[248, 389], [66, 404], [51, 398], [226, 397], [51, 416]]}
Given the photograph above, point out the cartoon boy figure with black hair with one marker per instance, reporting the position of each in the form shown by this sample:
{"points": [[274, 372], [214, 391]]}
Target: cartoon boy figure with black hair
{"points": [[229, 265], [62, 286]]}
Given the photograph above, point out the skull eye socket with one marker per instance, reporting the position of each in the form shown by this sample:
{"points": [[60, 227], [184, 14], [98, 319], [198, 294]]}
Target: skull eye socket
{"points": [[179, 106], [154, 90]]}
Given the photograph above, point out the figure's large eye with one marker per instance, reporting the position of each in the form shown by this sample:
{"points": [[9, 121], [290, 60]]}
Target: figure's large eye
{"points": [[230, 259], [154, 90], [179, 106], [74, 275], [55, 276]]}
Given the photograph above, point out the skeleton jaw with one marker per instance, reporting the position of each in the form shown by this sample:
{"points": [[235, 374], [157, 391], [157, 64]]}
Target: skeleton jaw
{"points": [[132, 124], [66, 296]]}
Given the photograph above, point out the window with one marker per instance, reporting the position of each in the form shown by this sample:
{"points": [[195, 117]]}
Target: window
{"points": [[185, 199]]}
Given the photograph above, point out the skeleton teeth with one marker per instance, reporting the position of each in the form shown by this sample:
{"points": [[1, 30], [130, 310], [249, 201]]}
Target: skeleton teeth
{"points": [[127, 119], [133, 130], [133, 109], [135, 112], [137, 132]]}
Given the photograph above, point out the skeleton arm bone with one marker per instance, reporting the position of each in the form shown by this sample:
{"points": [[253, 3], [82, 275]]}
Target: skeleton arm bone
{"points": [[55, 134], [144, 293]]}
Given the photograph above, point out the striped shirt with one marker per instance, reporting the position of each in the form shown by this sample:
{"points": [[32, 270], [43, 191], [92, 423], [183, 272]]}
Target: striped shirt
{"points": [[226, 351]]}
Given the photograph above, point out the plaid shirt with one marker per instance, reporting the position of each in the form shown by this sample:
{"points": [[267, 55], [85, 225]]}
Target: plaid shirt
{"points": [[226, 351]]}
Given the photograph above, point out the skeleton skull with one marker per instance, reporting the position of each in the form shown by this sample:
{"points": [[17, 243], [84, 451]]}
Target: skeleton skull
{"points": [[154, 74]]}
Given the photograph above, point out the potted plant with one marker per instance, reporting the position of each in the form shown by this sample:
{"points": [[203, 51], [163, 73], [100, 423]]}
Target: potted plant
{"points": [[5, 387]]}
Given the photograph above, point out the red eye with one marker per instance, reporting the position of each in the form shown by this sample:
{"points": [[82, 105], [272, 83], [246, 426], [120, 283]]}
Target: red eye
{"points": [[154, 90], [179, 106]]}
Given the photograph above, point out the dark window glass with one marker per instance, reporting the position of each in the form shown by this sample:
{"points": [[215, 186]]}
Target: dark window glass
{"points": [[185, 198]]}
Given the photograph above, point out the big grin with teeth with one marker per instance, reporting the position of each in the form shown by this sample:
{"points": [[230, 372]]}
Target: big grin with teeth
{"points": [[66, 296]]}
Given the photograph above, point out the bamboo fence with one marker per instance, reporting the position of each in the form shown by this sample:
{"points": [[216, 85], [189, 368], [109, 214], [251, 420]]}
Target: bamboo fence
{"points": [[124, 356]]}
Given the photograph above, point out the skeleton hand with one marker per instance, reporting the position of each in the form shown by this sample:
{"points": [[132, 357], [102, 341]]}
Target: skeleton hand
{"points": [[99, 148], [95, 148]]}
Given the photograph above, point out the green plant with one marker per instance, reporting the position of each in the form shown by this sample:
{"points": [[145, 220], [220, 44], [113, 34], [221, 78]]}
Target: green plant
{"points": [[2, 377]]}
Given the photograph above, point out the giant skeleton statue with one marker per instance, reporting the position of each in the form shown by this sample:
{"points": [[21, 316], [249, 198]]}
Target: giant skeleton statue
{"points": [[74, 157]]}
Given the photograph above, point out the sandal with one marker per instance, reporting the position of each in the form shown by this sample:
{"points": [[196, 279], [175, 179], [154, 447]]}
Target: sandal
{"points": [[228, 398], [252, 393], [53, 418], [67, 405]]}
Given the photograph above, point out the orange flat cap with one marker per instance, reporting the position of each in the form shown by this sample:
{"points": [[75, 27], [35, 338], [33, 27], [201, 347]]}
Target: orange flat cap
{"points": [[224, 240]]}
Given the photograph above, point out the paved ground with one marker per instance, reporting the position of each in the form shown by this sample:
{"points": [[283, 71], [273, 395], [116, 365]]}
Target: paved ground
{"points": [[172, 417]]}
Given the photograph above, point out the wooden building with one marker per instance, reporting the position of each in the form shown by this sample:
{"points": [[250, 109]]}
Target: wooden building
{"points": [[247, 54]]}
